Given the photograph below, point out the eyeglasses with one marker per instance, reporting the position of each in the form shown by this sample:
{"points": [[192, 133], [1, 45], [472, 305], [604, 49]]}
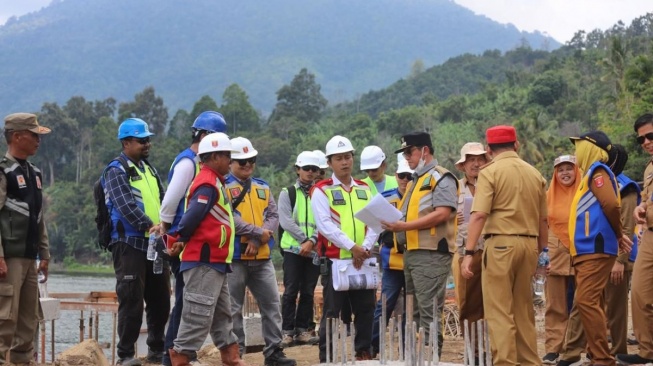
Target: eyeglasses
{"points": [[648, 136], [243, 162], [404, 175], [310, 168], [142, 141], [408, 152]]}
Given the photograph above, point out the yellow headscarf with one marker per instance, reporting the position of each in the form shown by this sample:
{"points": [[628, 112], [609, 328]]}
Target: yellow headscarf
{"points": [[587, 154]]}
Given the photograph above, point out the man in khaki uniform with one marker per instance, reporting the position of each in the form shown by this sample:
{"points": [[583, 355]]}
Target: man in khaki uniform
{"points": [[510, 209], [24, 239], [642, 286]]}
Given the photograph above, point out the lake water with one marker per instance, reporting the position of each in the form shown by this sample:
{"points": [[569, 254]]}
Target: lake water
{"points": [[67, 327]]}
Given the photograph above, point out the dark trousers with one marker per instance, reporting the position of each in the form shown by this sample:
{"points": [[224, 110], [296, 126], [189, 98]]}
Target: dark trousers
{"points": [[391, 285], [362, 306], [175, 314], [299, 277], [136, 282]]}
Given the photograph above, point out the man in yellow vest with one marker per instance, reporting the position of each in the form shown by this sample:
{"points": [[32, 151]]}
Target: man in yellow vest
{"points": [[256, 218], [298, 241], [134, 200], [373, 163], [341, 236], [427, 230]]}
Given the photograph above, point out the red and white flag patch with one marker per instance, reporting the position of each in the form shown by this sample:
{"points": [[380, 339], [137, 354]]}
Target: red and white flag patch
{"points": [[202, 199], [598, 181]]}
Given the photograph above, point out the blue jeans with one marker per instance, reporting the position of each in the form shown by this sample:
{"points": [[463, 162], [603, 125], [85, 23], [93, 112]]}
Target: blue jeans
{"points": [[392, 284], [175, 315]]}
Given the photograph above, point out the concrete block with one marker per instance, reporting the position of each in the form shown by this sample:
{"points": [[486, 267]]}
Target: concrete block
{"points": [[253, 331]]}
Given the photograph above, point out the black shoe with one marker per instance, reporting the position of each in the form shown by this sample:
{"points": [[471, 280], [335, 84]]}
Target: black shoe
{"points": [[550, 358], [631, 359], [632, 342], [278, 358], [129, 361], [577, 362], [154, 357]]}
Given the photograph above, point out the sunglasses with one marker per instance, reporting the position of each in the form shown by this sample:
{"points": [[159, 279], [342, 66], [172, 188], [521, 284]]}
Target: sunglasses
{"points": [[142, 141], [310, 168], [404, 175], [322, 171], [648, 136], [243, 162]]}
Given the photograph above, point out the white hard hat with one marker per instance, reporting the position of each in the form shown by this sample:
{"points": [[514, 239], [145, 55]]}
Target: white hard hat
{"points": [[372, 157], [321, 158], [243, 148], [307, 158], [338, 145], [402, 167], [212, 142], [400, 157]]}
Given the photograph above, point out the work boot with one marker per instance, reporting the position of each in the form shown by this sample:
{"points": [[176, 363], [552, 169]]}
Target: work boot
{"points": [[363, 356], [129, 361], [306, 337], [632, 359], [230, 355], [178, 359], [154, 356], [278, 358], [288, 339]]}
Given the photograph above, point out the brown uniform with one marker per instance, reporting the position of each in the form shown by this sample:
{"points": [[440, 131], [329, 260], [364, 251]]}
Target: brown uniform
{"points": [[642, 285], [587, 318], [512, 193], [616, 296], [560, 277]]}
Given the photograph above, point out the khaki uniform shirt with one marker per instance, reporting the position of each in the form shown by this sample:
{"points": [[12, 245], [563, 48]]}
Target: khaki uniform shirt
{"points": [[461, 238], [646, 194], [513, 195], [44, 242]]}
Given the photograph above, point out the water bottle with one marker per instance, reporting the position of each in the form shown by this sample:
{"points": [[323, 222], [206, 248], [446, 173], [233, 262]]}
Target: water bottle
{"points": [[540, 273], [315, 258], [157, 266], [151, 248]]}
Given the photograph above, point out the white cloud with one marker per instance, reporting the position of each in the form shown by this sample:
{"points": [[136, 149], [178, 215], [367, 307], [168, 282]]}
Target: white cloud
{"points": [[560, 18]]}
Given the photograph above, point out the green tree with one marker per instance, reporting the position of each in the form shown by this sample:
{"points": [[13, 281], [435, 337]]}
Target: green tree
{"points": [[206, 103], [301, 99], [237, 110], [148, 107]]}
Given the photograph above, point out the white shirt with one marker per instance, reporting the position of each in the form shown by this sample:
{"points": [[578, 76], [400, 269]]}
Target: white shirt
{"points": [[325, 225], [181, 179]]}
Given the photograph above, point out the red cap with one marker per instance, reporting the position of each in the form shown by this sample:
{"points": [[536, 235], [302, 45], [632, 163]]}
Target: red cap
{"points": [[500, 134]]}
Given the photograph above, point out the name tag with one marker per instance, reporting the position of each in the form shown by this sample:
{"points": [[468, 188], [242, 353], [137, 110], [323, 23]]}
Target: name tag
{"points": [[260, 193], [338, 198], [361, 194]]}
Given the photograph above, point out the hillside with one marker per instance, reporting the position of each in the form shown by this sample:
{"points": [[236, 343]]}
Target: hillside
{"points": [[185, 50]]}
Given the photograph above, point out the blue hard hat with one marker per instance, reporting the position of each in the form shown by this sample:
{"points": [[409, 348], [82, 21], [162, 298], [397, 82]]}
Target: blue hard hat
{"points": [[133, 127], [210, 121]]}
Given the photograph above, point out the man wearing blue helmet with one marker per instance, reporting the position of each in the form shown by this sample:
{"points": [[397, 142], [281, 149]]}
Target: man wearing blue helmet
{"points": [[133, 198], [182, 172]]}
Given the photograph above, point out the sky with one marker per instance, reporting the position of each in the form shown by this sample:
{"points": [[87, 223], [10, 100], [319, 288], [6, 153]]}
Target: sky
{"points": [[558, 18]]}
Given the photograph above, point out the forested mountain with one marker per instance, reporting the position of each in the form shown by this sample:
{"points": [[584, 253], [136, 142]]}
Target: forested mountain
{"points": [[186, 49], [598, 80]]}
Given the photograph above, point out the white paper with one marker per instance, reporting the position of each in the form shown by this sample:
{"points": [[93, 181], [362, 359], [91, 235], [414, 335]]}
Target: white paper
{"points": [[345, 276], [378, 209], [467, 208]]}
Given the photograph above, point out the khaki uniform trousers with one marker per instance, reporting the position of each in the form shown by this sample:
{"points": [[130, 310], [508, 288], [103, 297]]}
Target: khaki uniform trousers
{"points": [[19, 300], [470, 291], [616, 311], [509, 262], [586, 324], [642, 296], [556, 313]]}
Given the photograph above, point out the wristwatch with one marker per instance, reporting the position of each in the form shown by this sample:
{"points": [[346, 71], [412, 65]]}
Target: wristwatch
{"points": [[469, 252]]}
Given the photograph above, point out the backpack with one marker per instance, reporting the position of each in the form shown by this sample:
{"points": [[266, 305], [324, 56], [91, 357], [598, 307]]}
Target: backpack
{"points": [[102, 215], [292, 194]]}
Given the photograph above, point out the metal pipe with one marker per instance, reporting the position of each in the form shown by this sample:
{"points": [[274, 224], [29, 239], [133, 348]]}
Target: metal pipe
{"points": [[400, 337], [352, 339], [479, 331], [422, 347], [392, 339], [382, 359], [466, 360]]}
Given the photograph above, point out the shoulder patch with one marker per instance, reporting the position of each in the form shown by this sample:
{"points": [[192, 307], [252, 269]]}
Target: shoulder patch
{"points": [[598, 181]]}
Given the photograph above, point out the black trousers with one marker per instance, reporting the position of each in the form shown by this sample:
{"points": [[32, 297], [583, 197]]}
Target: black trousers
{"points": [[362, 303], [136, 282], [300, 276]]}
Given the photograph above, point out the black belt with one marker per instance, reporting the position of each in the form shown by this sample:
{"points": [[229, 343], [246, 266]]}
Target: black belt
{"points": [[487, 236]]}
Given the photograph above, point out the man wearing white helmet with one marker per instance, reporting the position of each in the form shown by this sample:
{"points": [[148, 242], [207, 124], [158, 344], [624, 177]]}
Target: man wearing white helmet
{"points": [[342, 236], [298, 237], [392, 258], [206, 236], [374, 165], [256, 218], [322, 160], [182, 172]]}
